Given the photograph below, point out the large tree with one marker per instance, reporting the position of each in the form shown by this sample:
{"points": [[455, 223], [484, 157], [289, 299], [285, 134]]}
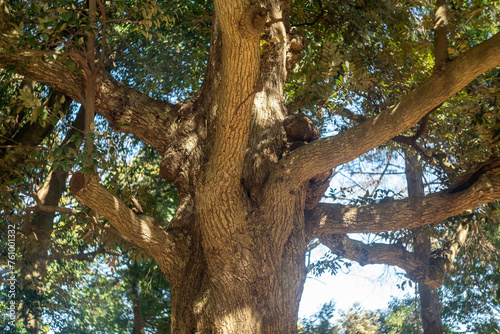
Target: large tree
{"points": [[249, 174]]}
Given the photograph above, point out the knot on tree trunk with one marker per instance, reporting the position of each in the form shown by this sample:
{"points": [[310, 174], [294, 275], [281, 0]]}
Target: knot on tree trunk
{"points": [[316, 188], [79, 182], [254, 19], [294, 50], [300, 128]]}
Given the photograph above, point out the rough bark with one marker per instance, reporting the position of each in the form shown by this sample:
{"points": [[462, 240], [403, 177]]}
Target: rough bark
{"points": [[234, 251]]}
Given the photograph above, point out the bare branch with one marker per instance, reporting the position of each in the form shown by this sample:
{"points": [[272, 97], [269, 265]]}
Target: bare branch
{"points": [[52, 208], [89, 257]]}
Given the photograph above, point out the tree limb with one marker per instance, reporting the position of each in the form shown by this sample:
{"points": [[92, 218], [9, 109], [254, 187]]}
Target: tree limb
{"points": [[431, 273], [389, 254], [405, 213], [440, 36], [145, 231], [327, 153], [52, 208], [126, 109]]}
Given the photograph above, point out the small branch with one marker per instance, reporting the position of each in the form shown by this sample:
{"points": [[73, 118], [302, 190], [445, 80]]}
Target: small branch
{"points": [[316, 19], [52, 208], [446, 255], [383, 173], [103, 34], [349, 114], [89, 257]]}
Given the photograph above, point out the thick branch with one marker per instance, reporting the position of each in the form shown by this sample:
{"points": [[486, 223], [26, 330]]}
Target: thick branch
{"points": [[406, 213], [440, 36], [118, 234], [240, 26], [143, 230], [327, 153], [126, 109], [389, 254]]}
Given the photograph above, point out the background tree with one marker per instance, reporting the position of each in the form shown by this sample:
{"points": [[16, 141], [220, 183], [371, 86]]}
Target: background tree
{"points": [[248, 174], [354, 320]]}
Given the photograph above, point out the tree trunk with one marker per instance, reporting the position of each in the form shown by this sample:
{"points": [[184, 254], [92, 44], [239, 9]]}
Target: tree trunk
{"points": [[254, 293], [234, 251], [429, 301], [35, 258], [430, 309], [240, 278], [33, 268]]}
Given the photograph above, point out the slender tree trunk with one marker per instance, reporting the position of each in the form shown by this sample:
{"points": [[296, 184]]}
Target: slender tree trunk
{"points": [[430, 309], [136, 308], [429, 300]]}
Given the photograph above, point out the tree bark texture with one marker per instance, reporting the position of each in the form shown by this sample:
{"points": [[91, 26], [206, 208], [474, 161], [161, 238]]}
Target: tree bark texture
{"points": [[248, 201]]}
